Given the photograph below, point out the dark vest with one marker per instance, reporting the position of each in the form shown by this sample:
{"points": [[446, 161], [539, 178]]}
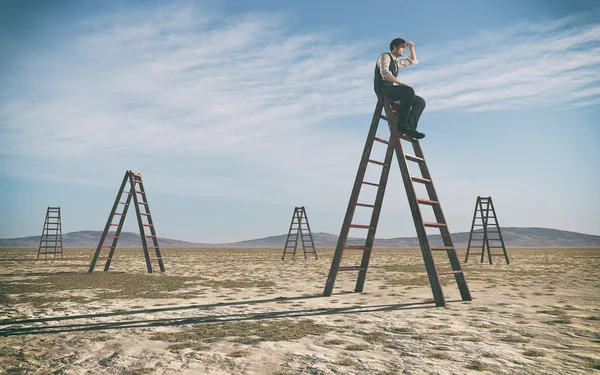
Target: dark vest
{"points": [[379, 82]]}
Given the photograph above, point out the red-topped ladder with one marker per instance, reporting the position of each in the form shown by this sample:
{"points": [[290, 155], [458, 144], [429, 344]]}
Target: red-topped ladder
{"points": [[491, 238], [299, 230], [112, 230], [394, 143]]}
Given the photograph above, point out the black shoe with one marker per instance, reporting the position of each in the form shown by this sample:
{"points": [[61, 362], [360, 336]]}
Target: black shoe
{"points": [[415, 134]]}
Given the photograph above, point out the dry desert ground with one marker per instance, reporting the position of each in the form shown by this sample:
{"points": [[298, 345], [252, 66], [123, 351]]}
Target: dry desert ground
{"points": [[244, 311]]}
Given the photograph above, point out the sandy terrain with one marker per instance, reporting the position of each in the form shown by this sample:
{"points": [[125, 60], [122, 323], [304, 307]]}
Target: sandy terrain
{"points": [[247, 312]]}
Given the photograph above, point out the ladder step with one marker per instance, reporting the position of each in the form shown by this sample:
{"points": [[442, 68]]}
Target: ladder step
{"points": [[441, 248], [366, 205], [375, 162], [355, 248], [147, 225], [150, 235], [126, 192], [433, 225], [421, 180], [122, 202], [382, 141], [145, 214], [137, 175], [140, 192], [143, 203], [427, 201], [361, 226], [383, 117], [351, 268], [111, 236], [413, 158], [117, 213], [115, 225], [370, 183], [449, 273], [496, 247], [107, 247]]}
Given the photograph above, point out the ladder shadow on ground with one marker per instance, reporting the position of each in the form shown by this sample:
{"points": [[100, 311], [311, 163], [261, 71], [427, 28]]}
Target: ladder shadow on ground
{"points": [[171, 322]]}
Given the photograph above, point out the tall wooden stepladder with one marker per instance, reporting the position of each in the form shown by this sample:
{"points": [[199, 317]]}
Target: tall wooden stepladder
{"points": [[137, 194], [394, 144], [51, 239], [487, 214], [299, 229]]}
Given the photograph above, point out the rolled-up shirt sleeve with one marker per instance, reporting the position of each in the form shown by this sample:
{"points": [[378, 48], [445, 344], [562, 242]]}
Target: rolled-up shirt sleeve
{"points": [[407, 62], [383, 62]]}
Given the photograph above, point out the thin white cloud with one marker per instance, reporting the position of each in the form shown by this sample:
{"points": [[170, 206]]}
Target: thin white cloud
{"points": [[180, 83]]}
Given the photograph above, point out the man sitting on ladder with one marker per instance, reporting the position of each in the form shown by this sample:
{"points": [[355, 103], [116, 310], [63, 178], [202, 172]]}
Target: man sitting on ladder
{"points": [[387, 83]]}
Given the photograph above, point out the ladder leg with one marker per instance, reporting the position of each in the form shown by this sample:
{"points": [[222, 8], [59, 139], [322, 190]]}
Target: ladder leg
{"points": [[288, 235], [360, 175], [472, 229], [107, 226], [385, 171], [138, 212]]}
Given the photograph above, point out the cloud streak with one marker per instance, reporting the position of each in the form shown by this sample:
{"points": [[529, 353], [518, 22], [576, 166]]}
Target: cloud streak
{"points": [[179, 83]]}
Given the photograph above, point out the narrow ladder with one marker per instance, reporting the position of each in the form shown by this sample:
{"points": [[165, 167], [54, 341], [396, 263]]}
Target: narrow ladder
{"points": [[51, 239], [137, 194], [485, 212], [299, 230], [394, 144]]}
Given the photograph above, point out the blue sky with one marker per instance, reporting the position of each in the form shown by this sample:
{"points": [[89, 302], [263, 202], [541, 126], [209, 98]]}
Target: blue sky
{"points": [[237, 111]]}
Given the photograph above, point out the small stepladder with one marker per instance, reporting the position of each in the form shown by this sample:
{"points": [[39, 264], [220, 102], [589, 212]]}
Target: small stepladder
{"points": [[394, 144], [299, 229], [136, 193], [485, 209], [51, 239]]}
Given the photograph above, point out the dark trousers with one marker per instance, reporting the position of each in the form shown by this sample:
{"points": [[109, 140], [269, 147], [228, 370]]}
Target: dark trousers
{"points": [[411, 105]]}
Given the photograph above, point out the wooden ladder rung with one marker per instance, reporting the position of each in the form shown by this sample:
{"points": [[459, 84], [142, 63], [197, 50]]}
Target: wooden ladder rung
{"points": [[355, 248], [370, 183], [104, 258], [351, 268], [361, 226], [427, 202], [366, 205], [441, 248], [433, 225], [420, 179], [382, 140], [413, 158], [449, 273], [376, 162]]}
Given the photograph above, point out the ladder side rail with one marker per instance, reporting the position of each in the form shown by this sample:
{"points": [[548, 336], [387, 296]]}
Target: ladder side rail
{"points": [[360, 175], [472, 229], [43, 231], [300, 232], [370, 241], [483, 231], [107, 226], [440, 218], [312, 242], [154, 237], [499, 232], [138, 213], [61, 238], [117, 234], [485, 228], [434, 281], [287, 240]]}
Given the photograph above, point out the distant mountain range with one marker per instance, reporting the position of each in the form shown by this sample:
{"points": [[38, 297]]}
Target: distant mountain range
{"points": [[513, 237]]}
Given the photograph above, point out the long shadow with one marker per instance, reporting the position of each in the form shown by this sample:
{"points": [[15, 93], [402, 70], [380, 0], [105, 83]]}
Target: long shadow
{"points": [[145, 323], [158, 309]]}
